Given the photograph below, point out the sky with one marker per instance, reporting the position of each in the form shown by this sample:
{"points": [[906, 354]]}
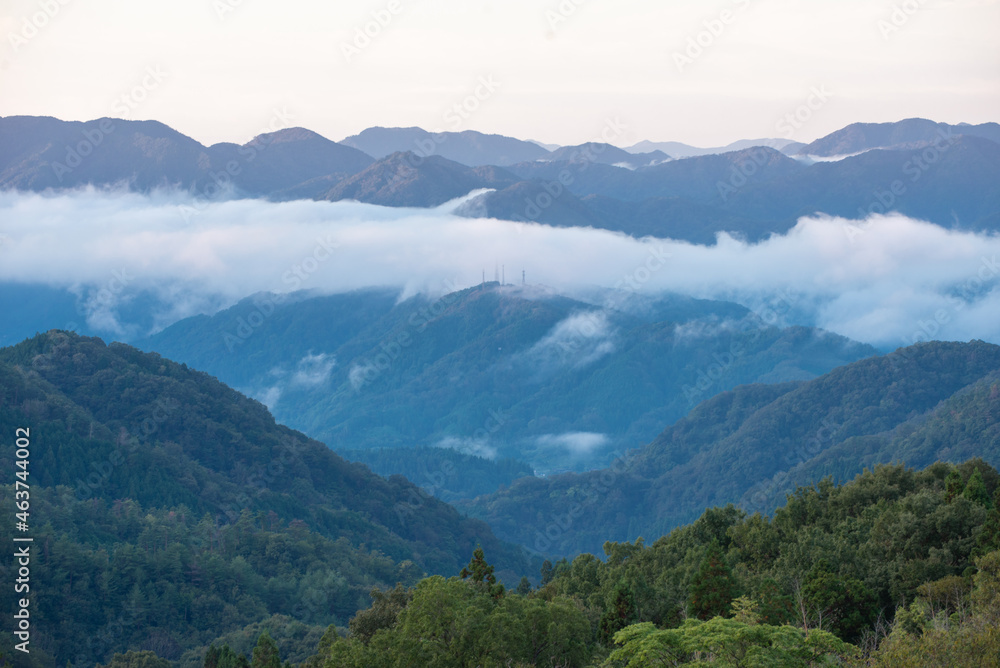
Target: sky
{"points": [[703, 72], [889, 281]]}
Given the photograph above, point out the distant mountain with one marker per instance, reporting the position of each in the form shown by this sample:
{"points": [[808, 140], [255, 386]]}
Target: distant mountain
{"points": [[169, 509], [910, 133], [751, 445], [958, 188], [696, 178], [681, 150], [512, 372], [406, 179], [752, 192], [41, 152], [606, 154], [279, 160], [469, 147], [533, 201]]}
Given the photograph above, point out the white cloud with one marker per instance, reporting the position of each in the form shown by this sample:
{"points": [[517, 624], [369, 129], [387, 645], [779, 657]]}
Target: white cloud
{"points": [[574, 442], [478, 447], [313, 370], [883, 281]]}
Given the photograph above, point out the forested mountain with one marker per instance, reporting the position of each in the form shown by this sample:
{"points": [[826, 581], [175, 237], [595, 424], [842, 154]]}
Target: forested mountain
{"points": [[909, 133], [896, 568], [511, 371], [37, 153], [469, 147], [751, 445], [945, 174], [168, 509], [407, 179]]}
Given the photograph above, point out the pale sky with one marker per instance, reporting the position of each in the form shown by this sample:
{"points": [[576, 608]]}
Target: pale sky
{"points": [[558, 72]]}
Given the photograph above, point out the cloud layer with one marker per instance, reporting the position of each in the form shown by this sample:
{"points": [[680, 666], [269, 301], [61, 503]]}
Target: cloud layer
{"points": [[887, 281]]}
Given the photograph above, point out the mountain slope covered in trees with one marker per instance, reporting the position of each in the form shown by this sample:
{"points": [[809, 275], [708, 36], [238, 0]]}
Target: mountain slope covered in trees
{"points": [[169, 509], [509, 371], [751, 445]]}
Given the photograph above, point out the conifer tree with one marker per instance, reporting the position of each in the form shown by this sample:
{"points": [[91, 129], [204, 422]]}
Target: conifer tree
{"points": [[713, 587]]}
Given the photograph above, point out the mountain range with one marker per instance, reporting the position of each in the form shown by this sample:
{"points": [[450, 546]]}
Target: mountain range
{"points": [[756, 443], [946, 174], [169, 509], [512, 371]]}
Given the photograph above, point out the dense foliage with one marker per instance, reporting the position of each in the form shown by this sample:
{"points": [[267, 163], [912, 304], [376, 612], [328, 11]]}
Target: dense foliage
{"points": [[753, 445], [496, 372], [889, 570], [171, 510]]}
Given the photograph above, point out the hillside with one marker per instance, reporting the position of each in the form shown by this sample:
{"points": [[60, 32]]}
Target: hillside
{"points": [[514, 372], [753, 444], [895, 568], [168, 500]]}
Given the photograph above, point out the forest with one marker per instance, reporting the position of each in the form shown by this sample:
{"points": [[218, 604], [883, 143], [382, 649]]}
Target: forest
{"points": [[178, 525], [898, 567]]}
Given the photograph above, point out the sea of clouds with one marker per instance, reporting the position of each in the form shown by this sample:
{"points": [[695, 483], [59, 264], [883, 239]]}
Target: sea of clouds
{"points": [[888, 280]]}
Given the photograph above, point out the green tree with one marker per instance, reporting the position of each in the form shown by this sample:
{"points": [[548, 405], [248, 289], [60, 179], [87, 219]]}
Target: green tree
{"points": [[841, 605], [480, 574], [989, 536], [953, 485], [382, 614], [265, 654], [524, 586], [713, 586], [975, 490], [548, 572], [133, 659], [620, 611]]}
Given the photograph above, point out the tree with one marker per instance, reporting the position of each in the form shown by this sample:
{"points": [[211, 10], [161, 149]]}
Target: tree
{"points": [[383, 613], [620, 611], [548, 572], [989, 536], [133, 659], [481, 574], [265, 654], [713, 587], [975, 490], [952, 485], [841, 605], [524, 586]]}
